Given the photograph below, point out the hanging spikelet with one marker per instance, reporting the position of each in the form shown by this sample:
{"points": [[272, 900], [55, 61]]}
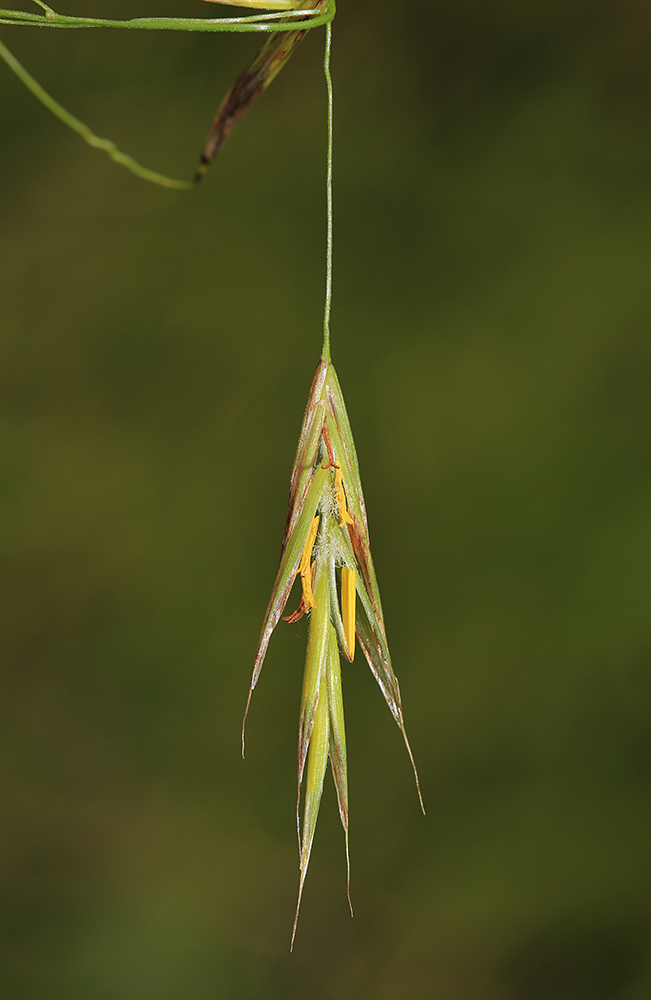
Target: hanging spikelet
{"points": [[326, 543]]}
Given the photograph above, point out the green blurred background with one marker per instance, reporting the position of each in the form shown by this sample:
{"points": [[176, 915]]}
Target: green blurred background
{"points": [[491, 332]]}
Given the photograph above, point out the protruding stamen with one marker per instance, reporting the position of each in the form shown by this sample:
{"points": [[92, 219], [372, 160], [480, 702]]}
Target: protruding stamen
{"points": [[302, 608], [342, 506], [348, 595], [304, 568]]}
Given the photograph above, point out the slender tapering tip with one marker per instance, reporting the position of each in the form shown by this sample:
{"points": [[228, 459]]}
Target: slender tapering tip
{"points": [[413, 764], [246, 712], [298, 908], [348, 876]]}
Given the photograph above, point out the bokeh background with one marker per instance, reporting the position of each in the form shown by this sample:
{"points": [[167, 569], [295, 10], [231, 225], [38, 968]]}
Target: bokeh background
{"points": [[491, 332]]}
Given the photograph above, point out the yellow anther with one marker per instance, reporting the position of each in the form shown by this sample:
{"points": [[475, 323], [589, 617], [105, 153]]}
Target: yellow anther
{"points": [[344, 516], [305, 569], [348, 595]]}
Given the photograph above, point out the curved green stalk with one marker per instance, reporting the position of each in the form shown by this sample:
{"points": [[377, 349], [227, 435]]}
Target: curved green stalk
{"points": [[107, 145]]}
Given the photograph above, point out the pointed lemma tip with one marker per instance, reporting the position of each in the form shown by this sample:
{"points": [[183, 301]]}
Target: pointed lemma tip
{"points": [[298, 907], [413, 764], [420, 797], [246, 712], [350, 905]]}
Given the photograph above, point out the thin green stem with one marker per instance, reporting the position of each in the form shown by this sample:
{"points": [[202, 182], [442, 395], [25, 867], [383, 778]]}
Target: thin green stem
{"points": [[93, 140], [325, 353]]}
